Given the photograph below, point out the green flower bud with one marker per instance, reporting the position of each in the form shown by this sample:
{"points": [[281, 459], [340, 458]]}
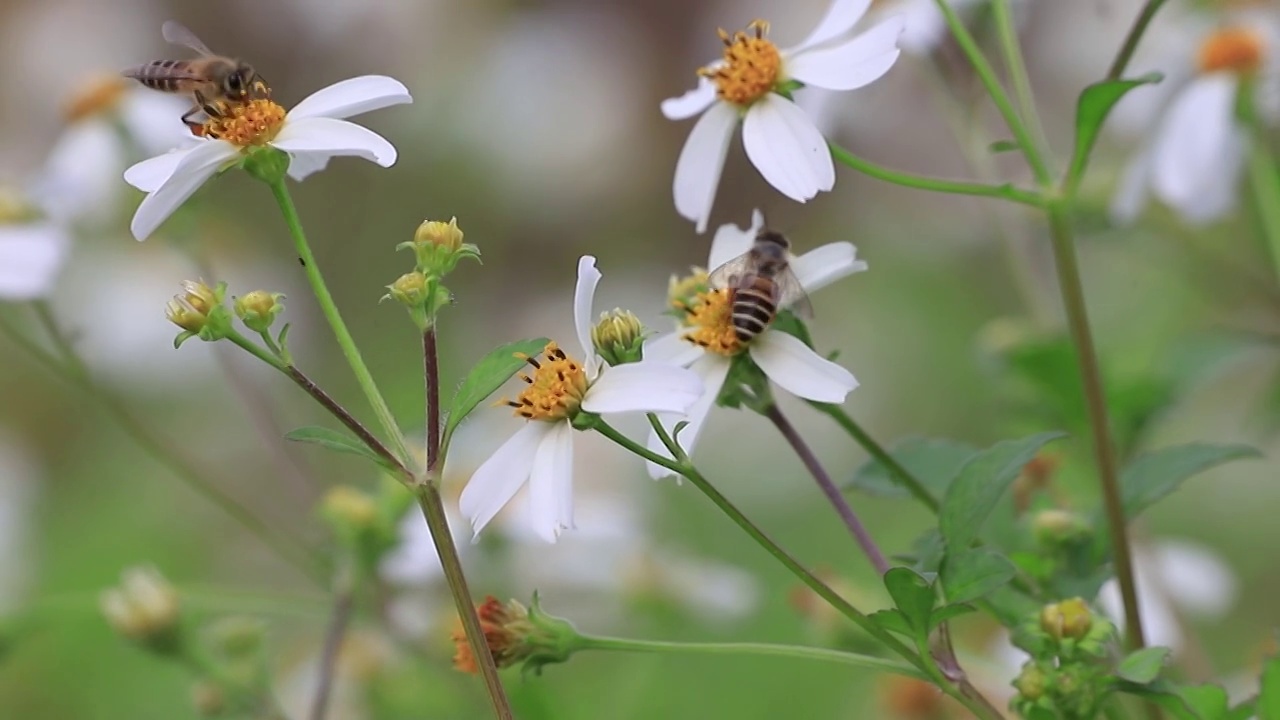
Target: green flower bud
{"points": [[237, 638], [1069, 619], [516, 635], [1031, 683], [198, 310], [438, 247], [619, 337], [144, 608], [348, 508], [258, 309], [1058, 528]]}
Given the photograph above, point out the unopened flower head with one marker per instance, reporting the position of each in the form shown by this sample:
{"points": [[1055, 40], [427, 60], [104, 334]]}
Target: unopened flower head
{"points": [[619, 337], [438, 247], [349, 507], [1239, 50], [190, 309], [1069, 619], [516, 635], [258, 309], [410, 289], [144, 608], [1059, 528]]}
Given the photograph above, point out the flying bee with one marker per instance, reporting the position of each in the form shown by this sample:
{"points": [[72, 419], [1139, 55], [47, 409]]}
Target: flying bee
{"points": [[214, 82], [761, 284]]}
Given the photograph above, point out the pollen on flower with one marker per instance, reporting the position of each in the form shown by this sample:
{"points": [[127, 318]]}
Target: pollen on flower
{"points": [[98, 95], [752, 65], [1233, 49], [683, 291], [253, 123], [556, 389], [710, 322]]}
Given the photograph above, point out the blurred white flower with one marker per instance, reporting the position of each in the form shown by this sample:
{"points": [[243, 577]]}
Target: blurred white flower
{"points": [[32, 249], [541, 452], [1195, 155], [311, 133], [749, 83], [707, 343]]}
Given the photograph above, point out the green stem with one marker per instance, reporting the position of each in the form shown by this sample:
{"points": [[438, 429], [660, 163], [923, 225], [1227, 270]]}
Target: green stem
{"points": [[1131, 40], [882, 456], [1016, 65], [339, 620], [255, 350], [1073, 302], [920, 182], [591, 642], [331, 314], [1264, 180]]}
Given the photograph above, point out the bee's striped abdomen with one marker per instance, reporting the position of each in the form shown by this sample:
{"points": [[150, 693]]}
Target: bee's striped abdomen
{"points": [[161, 75], [753, 309]]}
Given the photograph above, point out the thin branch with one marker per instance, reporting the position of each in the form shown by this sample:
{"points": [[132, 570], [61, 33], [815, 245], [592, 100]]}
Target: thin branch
{"points": [[346, 418], [338, 622]]}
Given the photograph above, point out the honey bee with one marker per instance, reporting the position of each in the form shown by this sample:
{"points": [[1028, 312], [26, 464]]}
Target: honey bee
{"points": [[761, 284], [213, 82]]}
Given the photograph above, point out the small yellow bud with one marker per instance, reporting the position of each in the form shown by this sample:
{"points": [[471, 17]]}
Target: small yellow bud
{"points": [[410, 289], [1067, 619], [143, 608], [619, 337], [349, 507], [258, 309], [1056, 527], [438, 246], [191, 309], [1031, 682], [445, 235]]}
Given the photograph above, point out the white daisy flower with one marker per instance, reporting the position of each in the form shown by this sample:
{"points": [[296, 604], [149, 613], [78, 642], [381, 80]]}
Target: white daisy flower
{"points": [[559, 389], [1195, 157], [311, 133], [708, 343], [780, 139], [32, 250]]}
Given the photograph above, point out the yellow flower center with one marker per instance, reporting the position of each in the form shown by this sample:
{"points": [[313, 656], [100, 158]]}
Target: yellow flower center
{"points": [[752, 65], [255, 122], [683, 291], [14, 210], [1234, 49], [556, 389], [99, 95], [710, 323]]}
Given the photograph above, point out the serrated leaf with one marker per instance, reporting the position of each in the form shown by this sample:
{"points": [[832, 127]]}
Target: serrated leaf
{"points": [[981, 482], [944, 614], [335, 440], [1143, 666], [1154, 475], [893, 621], [933, 461], [487, 376], [913, 595], [1092, 109], [1269, 693], [1003, 146], [975, 573]]}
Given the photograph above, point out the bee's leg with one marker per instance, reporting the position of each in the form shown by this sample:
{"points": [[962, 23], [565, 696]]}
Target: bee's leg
{"points": [[196, 127]]}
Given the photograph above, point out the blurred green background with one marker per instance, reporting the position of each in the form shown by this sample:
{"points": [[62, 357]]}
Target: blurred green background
{"points": [[537, 125]]}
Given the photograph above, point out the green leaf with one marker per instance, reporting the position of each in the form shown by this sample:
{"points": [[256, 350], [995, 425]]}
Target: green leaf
{"points": [[975, 573], [1004, 146], [981, 482], [1092, 109], [1143, 666], [335, 440], [913, 595], [944, 614], [487, 376], [1154, 475], [1269, 694], [934, 462], [1208, 701], [893, 621], [1191, 702], [1246, 710]]}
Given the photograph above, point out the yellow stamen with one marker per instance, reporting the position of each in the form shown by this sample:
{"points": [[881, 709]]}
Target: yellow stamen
{"points": [[683, 291], [1234, 49], [99, 95], [244, 124], [710, 321], [752, 65], [556, 389]]}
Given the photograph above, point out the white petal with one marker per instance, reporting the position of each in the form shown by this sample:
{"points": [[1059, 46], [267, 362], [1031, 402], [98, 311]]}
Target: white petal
{"points": [[30, 258], [584, 294], [494, 483], [1196, 578], [731, 241], [304, 165], [925, 26], [151, 173], [713, 369], [1133, 188], [701, 162], [551, 483], [1199, 147], [852, 64], [692, 102], [192, 171], [154, 120], [672, 349], [643, 387], [329, 137], [81, 175], [796, 368], [840, 19], [352, 97], [824, 265], [786, 147]]}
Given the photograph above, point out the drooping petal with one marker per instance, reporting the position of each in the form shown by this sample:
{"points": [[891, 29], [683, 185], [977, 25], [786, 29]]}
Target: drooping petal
{"points": [[925, 26], [851, 64], [713, 369], [496, 481], [840, 19], [584, 294], [692, 102], [304, 165], [671, 349], [151, 173], [197, 166], [352, 97], [787, 148], [1198, 148], [701, 162], [644, 386], [1133, 189], [824, 265], [731, 241], [329, 137], [551, 483], [796, 368], [30, 257]]}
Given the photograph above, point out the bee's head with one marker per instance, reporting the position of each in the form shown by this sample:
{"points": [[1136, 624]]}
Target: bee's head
{"points": [[772, 241], [239, 82]]}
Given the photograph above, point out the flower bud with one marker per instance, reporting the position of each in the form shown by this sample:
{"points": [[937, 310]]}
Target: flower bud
{"points": [[1058, 528], [1031, 683], [258, 309], [516, 635], [237, 638], [619, 337], [444, 235], [410, 290], [438, 247], [347, 507], [199, 312], [144, 608], [1069, 619]]}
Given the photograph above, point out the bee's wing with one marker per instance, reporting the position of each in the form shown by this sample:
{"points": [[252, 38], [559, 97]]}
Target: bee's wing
{"points": [[732, 273], [179, 34], [791, 294]]}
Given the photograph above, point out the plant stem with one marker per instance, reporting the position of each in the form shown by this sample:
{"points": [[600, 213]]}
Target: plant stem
{"points": [[338, 622], [72, 369], [847, 515], [331, 314], [431, 369], [592, 642], [882, 456], [1016, 65], [1007, 191], [255, 350], [1265, 183], [1091, 378], [347, 419], [1131, 40]]}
